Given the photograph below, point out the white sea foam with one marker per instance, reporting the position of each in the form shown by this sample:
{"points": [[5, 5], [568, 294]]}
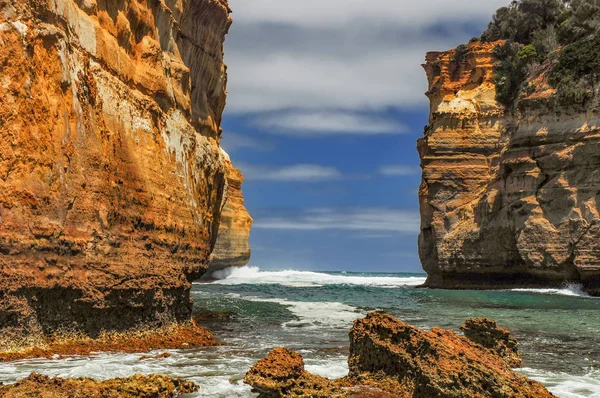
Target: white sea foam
{"points": [[333, 368], [313, 314], [291, 278], [565, 385], [573, 290]]}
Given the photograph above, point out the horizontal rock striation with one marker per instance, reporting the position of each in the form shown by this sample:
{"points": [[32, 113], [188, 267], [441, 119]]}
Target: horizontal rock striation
{"points": [[507, 199], [232, 248], [111, 175]]}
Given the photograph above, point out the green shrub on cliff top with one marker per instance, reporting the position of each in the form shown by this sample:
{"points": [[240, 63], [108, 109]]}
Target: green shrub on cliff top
{"points": [[578, 71], [534, 29]]}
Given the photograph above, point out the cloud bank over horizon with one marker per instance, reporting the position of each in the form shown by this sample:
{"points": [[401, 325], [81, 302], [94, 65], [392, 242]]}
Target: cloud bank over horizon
{"points": [[325, 104]]}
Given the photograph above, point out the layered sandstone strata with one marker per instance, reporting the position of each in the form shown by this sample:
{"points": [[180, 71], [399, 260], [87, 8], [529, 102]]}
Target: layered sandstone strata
{"points": [[112, 180], [233, 241], [507, 199]]}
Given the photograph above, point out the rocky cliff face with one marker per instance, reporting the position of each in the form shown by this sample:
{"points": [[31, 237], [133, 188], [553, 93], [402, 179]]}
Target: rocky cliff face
{"points": [[111, 175], [506, 199], [233, 246]]}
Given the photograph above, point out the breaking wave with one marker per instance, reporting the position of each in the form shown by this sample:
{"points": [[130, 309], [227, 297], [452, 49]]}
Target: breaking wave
{"points": [[291, 278]]}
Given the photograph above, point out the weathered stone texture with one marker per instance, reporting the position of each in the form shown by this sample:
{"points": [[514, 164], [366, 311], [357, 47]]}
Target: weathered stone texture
{"points": [[506, 199], [111, 174], [233, 241]]}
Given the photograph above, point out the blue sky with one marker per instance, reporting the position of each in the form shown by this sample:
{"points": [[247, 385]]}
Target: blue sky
{"points": [[325, 105]]}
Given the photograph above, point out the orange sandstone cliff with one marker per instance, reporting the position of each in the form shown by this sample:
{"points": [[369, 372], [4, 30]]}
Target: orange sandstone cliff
{"points": [[507, 199], [112, 180], [232, 248]]}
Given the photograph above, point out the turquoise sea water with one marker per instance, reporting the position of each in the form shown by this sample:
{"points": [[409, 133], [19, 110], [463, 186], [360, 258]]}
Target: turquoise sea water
{"points": [[559, 329]]}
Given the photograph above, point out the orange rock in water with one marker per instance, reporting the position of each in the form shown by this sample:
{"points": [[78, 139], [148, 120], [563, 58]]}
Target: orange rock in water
{"points": [[138, 386], [436, 363], [175, 336], [389, 358], [486, 332]]}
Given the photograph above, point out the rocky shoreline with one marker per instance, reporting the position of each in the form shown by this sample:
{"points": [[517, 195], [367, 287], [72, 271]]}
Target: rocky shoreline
{"points": [[387, 358], [138, 386]]}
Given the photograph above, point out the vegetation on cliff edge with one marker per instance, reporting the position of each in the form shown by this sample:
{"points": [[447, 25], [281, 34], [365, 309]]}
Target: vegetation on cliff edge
{"points": [[559, 36]]}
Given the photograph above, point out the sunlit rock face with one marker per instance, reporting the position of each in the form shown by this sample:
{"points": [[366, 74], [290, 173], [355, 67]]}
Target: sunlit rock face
{"points": [[233, 246], [507, 199], [112, 179]]}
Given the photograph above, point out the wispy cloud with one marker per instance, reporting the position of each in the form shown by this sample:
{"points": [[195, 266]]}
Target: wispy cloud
{"points": [[362, 219], [233, 142], [396, 170], [293, 173], [328, 123], [320, 13], [353, 55]]}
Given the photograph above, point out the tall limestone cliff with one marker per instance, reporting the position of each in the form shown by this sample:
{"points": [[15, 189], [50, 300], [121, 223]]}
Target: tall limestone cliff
{"points": [[112, 180], [233, 245], [507, 198]]}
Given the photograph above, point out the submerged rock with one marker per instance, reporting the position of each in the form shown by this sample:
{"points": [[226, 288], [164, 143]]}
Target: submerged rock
{"points": [[389, 358], [138, 386], [486, 332]]}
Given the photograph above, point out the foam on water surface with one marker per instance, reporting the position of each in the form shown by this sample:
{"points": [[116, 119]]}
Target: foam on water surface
{"points": [[291, 278], [313, 314], [572, 290], [567, 386]]}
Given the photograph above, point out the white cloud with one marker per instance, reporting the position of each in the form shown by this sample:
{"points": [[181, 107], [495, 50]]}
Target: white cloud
{"points": [[326, 123], [294, 173], [279, 81], [318, 13], [395, 170], [232, 142], [354, 55], [365, 219]]}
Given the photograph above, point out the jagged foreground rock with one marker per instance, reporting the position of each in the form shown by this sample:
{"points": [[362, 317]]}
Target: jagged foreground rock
{"points": [[138, 386], [389, 358], [112, 180], [506, 199]]}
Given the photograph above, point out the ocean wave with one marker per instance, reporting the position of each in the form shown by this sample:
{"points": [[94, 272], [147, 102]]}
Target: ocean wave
{"points": [[291, 278], [312, 314], [572, 289], [566, 385]]}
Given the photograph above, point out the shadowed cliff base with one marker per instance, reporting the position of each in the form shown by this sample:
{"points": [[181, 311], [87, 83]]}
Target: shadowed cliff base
{"points": [[507, 280], [138, 386], [176, 336], [389, 358]]}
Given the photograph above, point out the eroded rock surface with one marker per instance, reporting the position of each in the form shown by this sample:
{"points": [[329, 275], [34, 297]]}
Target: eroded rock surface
{"points": [[282, 374], [432, 363], [233, 241], [389, 358], [506, 199], [111, 175], [138, 386], [488, 334]]}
